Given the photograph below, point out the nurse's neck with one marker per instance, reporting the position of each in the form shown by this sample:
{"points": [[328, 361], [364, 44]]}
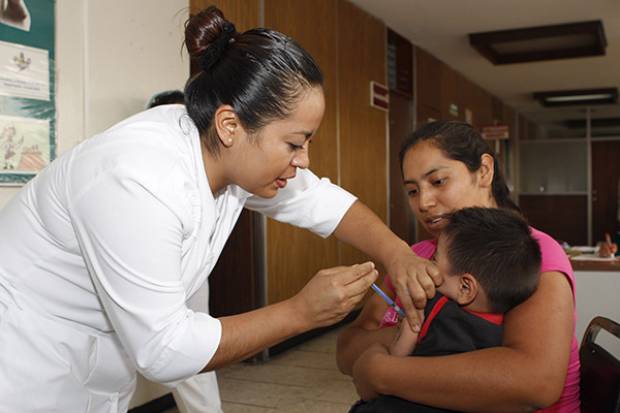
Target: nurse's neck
{"points": [[215, 169]]}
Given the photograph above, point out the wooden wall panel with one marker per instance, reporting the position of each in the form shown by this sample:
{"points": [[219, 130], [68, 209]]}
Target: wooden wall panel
{"points": [[426, 113], [449, 80], [564, 217], [483, 107], [243, 13], [509, 157], [401, 124], [295, 255], [428, 83], [363, 170], [467, 97]]}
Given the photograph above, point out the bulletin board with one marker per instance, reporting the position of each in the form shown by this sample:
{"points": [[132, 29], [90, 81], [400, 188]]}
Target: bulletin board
{"points": [[27, 89]]}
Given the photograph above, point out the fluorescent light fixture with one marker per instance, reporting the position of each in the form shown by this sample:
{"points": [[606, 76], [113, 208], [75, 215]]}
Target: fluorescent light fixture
{"points": [[532, 44], [577, 97]]}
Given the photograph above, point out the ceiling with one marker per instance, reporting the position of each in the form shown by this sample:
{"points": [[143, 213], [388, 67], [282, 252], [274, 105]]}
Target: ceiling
{"points": [[441, 28]]}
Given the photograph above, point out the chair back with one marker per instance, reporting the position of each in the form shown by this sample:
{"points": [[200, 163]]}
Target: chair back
{"points": [[600, 370]]}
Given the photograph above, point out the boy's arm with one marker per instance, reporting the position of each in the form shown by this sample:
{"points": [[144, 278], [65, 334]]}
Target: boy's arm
{"points": [[405, 341], [363, 332]]}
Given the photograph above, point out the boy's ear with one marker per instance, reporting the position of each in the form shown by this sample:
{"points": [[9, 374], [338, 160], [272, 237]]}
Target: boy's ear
{"points": [[468, 289]]}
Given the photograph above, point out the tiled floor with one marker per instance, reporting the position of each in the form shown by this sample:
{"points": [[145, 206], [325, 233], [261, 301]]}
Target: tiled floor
{"points": [[303, 379]]}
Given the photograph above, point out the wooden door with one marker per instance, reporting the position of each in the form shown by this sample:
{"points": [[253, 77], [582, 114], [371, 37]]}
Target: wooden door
{"points": [[605, 181], [362, 44], [294, 255], [401, 126]]}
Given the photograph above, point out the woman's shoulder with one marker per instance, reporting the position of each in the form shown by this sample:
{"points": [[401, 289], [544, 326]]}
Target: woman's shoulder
{"points": [[548, 245], [553, 256]]}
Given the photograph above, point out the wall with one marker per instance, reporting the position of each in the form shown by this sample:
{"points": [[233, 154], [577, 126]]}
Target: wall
{"points": [[314, 26], [362, 129], [439, 86], [110, 58]]}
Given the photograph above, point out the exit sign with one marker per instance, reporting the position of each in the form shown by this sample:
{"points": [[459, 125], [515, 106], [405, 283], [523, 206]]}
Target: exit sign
{"points": [[379, 96]]}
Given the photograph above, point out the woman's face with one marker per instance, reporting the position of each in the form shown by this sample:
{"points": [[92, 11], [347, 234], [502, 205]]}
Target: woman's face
{"points": [[437, 185], [267, 160]]}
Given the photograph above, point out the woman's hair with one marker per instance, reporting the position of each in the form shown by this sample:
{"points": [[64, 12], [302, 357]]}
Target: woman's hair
{"points": [[461, 142], [261, 73]]}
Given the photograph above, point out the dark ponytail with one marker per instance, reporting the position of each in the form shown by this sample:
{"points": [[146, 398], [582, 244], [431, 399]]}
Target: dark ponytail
{"points": [[461, 142], [261, 73]]}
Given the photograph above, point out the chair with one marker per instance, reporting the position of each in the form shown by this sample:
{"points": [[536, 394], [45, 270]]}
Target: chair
{"points": [[600, 370]]}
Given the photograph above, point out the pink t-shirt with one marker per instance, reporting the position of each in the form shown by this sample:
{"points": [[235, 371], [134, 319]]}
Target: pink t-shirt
{"points": [[553, 260]]}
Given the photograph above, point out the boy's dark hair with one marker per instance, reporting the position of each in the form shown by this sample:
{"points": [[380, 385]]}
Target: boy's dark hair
{"points": [[495, 245]]}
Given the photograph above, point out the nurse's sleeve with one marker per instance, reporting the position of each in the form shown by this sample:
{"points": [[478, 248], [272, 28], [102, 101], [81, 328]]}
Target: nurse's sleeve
{"points": [[306, 202], [131, 237]]}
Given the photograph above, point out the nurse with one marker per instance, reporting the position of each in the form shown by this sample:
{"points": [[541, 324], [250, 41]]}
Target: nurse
{"points": [[101, 251]]}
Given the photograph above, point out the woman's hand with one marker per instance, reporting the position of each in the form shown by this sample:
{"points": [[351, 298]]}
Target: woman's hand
{"points": [[405, 341], [333, 293], [414, 279], [363, 371]]}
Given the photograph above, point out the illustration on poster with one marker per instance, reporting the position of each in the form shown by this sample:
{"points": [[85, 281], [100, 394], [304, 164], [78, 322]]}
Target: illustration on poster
{"points": [[14, 13]]}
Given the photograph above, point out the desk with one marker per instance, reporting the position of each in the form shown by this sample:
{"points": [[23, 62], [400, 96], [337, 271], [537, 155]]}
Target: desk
{"points": [[579, 265]]}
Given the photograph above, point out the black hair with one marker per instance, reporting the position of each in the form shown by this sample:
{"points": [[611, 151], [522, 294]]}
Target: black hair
{"points": [[165, 98], [461, 142], [496, 247], [261, 73]]}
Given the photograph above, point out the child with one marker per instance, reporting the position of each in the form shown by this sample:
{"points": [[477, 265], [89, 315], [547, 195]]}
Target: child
{"points": [[490, 264]]}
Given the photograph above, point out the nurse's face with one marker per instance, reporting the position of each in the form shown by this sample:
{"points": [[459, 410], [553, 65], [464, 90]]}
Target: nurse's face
{"points": [[437, 185], [267, 160]]}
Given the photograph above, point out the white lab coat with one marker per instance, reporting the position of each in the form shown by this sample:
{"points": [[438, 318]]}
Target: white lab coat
{"points": [[100, 252]]}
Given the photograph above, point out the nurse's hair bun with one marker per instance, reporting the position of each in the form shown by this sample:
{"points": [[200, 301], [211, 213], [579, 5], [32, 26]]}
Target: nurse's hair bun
{"points": [[208, 35]]}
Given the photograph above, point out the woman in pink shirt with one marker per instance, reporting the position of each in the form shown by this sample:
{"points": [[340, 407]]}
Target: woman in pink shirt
{"points": [[447, 166]]}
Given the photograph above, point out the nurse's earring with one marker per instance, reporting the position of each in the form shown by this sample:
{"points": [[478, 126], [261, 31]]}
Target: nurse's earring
{"points": [[227, 125], [228, 139]]}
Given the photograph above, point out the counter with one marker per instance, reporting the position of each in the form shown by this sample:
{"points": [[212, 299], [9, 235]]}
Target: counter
{"points": [[597, 291], [591, 265]]}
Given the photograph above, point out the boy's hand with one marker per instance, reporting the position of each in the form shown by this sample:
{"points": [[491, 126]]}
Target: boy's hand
{"points": [[405, 341]]}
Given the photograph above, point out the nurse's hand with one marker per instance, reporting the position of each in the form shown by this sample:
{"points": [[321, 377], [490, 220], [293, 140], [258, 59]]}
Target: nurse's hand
{"points": [[414, 279], [333, 293]]}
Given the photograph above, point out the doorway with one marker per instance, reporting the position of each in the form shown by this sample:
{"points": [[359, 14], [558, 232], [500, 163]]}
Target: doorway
{"points": [[605, 182]]}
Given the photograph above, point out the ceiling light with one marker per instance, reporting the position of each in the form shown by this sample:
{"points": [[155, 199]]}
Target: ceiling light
{"points": [[541, 43], [577, 97]]}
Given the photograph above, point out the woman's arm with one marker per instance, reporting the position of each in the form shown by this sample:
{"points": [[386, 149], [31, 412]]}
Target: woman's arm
{"points": [[528, 372], [414, 278], [325, 300], [318, 205]]}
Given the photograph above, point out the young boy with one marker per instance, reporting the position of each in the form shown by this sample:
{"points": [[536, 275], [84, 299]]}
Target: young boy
{"points": [[490, 264]]}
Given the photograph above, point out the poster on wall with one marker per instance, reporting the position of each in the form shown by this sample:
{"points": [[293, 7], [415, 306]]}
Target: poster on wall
{"points": [[27, 89]]}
